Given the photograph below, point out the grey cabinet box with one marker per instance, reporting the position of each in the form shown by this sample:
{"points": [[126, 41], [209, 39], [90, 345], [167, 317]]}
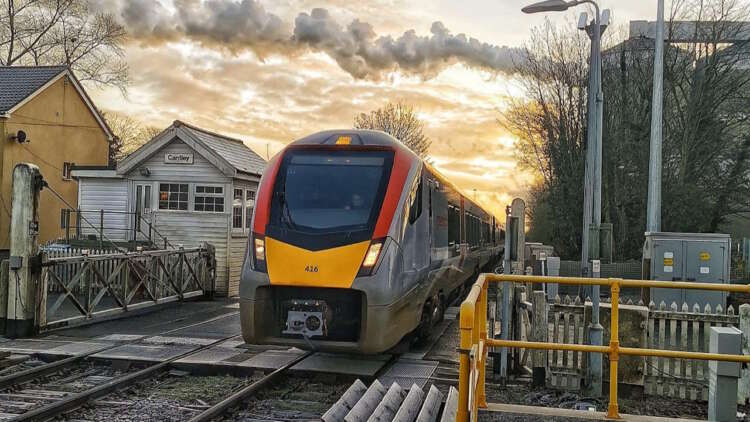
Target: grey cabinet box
{"points": [[699, 257]]}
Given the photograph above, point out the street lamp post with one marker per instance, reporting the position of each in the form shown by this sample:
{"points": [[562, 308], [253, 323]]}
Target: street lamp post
{"points": [[593, 171], [653, 211], [592, 196]]}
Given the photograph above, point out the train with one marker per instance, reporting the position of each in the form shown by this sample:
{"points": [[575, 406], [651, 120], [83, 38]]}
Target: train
{"points": [[357, 244]]}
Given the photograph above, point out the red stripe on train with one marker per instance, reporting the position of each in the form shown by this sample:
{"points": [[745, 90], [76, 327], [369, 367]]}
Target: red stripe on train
{"points": [[263, 198], [401, 165]]}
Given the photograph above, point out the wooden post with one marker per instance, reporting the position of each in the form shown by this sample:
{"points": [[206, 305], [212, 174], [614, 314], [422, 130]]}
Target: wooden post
{"points": [[86, 279], [78, 224], [3, 294], [181, 277], [23, 268], [743, 392], [67, 225], [41, 294], [540, 329], [101, 229]]}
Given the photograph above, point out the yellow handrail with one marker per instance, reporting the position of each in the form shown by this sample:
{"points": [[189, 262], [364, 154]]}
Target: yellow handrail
{"points": [[474, 341]]}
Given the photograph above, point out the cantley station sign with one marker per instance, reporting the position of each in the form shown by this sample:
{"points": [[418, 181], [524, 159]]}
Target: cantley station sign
{"points": [[181, 158]]}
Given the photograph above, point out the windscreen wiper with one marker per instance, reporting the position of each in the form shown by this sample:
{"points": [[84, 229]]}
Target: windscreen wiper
{"points": [[286, 215]]}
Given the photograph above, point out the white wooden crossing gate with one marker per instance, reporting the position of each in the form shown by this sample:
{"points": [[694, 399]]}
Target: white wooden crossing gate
{"points": [[84, 288]]}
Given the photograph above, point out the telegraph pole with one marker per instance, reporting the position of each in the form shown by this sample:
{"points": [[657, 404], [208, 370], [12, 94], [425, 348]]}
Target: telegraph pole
{"points": [[653, 213]]}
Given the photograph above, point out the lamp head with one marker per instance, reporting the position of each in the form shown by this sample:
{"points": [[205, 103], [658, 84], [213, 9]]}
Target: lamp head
{"points": [[548, 6]]}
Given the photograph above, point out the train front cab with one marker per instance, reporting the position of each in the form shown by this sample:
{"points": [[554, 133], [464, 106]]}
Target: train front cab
{"points": [[324, 245]]}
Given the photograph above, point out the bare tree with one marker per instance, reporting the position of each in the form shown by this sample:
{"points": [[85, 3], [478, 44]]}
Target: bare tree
{"points": [[550, 123], [63, 32], [400, 121], [706, 150], [130, 135]]}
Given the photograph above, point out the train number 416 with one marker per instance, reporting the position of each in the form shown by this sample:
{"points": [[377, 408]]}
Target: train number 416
{"points": [[311, 269]]}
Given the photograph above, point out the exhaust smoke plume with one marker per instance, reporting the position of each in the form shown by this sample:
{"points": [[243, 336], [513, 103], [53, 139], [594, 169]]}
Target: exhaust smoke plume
{"points": [[246, 25]]}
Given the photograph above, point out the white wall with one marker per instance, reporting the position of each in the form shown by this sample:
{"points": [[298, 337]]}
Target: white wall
{"points": [[190, 229], [201, 169], [111, 195]]}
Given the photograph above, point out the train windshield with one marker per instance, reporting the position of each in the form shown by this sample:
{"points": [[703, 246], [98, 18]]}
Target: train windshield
{"points": [[330, 191]]}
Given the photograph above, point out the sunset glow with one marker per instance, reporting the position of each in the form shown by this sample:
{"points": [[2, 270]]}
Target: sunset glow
{"points": [[269, 97]]}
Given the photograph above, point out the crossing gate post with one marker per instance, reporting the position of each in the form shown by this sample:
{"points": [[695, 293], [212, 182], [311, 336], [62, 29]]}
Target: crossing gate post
{"points": [[540, 327], [24, 266], [744, 387]]}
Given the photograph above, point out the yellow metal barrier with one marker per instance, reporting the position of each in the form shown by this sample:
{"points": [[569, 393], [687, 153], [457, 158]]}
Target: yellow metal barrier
{"points": [[474, 341]]}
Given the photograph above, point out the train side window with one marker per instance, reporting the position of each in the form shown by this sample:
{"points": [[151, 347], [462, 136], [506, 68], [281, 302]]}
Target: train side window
{"points": [[416, 207], [454, 225]]}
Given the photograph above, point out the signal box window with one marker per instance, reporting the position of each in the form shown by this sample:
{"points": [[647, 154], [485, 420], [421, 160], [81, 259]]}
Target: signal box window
{"points": [[249, 204], [173, 196], [237, 209], [209, 198]]}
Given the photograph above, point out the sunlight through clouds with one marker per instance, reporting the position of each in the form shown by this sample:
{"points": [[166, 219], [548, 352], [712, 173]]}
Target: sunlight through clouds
{"points": [[269, 97]]}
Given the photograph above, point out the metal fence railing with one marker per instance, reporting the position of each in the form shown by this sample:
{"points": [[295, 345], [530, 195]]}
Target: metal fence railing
{"points": [[108, 227], [474, 342]]}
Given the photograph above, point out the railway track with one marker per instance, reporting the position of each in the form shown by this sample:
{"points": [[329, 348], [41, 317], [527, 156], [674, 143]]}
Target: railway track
{"points": [[65, 384], [83, 389]]}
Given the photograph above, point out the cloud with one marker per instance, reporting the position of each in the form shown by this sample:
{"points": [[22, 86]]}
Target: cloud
{"points": [[356, 48]]}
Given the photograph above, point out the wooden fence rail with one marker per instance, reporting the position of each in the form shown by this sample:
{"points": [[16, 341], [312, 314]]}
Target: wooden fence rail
{"points": [[76, 289]]}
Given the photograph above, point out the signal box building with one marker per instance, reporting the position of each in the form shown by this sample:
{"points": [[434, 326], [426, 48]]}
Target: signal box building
{"points": [[189, 185]]}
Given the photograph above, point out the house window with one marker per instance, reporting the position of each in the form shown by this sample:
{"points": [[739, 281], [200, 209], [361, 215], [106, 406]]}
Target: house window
{"points": [[67, 167], [249, 204], [173, 196], [209, 198], [63, 218], [237, 209]]}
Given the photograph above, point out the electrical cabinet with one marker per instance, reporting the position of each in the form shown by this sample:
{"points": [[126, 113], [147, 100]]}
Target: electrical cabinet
{"points": [[699, 257]]}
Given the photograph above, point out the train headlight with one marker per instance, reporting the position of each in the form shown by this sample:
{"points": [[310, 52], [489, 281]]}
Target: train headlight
{"points": [[260, 249], [259, 253], [371, 257]]}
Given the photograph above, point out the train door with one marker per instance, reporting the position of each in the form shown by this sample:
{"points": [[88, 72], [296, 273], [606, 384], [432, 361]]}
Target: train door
{"points": [[416, 239]]}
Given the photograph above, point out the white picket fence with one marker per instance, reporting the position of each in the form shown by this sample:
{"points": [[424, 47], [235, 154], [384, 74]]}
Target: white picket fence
{"points": [[566, 369], [683, 328], [670, 327]]}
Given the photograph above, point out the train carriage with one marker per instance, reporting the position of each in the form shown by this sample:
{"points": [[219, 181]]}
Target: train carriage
{"points": [[356, 243]]}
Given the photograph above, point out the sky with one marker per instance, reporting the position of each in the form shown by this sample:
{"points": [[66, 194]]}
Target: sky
{"points": [[270, 72]]}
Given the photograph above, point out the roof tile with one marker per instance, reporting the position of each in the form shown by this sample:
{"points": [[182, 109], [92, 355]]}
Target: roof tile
{"points": [[18, 82]]}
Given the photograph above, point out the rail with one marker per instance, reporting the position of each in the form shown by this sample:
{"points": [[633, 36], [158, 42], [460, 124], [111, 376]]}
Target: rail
{"points": [[474, 341]]}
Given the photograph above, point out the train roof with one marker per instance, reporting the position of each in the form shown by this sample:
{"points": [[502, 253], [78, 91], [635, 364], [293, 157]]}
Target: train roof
{"points": [[356, 137]]}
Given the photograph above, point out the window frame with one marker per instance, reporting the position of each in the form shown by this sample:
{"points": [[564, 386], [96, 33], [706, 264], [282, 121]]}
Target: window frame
{"points": [[241, 206], [67, 168], [187, 201], [196, 194], [246, 205]]}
